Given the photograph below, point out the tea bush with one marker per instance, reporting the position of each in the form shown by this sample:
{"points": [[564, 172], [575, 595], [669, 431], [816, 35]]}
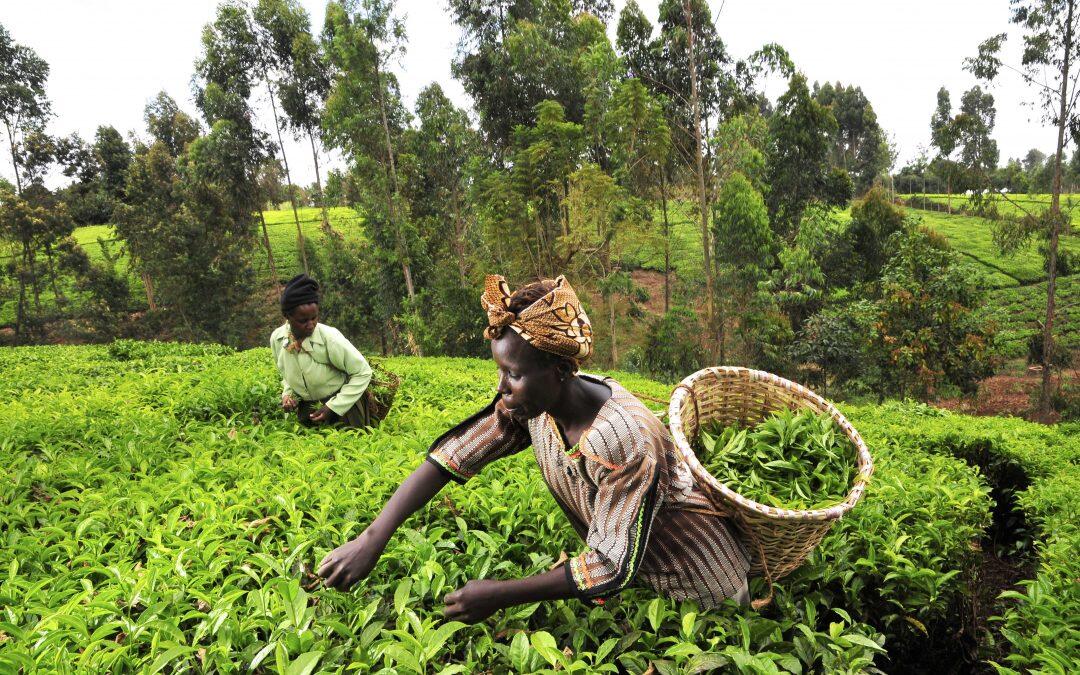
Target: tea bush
{"points": [[161, 513]]}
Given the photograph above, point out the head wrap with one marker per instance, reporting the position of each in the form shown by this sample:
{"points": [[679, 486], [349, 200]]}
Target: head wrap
{"points": [[555, 323], [300, 290]]}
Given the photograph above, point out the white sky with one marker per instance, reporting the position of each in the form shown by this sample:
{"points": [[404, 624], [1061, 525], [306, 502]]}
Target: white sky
{"points": [[109, 57]]}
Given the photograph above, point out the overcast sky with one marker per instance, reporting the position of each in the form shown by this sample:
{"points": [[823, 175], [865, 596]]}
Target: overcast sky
{"points": [[109, 57]]}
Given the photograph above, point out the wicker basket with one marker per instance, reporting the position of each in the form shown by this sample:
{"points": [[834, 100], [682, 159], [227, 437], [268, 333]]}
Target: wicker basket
{"points": [[780, 539]]}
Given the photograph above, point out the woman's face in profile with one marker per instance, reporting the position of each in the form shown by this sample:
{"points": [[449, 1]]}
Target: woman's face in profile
{"points": [[530, 382]]}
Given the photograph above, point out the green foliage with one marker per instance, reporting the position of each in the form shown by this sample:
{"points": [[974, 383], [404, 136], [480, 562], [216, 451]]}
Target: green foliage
{"points": [[790, 460], [874, 219], [672, 348], [1034, 623], [859, 145], [834, 341], [927, 333], [1020, 311], [800, 138], [162, 512], [741, 235], [190, 225]]}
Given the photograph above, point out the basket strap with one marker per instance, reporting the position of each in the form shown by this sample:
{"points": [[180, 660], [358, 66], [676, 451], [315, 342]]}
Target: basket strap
{"points": [[761, 602], [707, 512]]}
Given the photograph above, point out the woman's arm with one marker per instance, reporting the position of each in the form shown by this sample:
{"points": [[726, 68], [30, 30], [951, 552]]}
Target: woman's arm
{"points": [[351, 562], [348, 359], [479, 599], [288, 396]]}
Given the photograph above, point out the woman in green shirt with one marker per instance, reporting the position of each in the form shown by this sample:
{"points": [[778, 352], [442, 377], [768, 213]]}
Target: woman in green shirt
{"points": [[324, 377]]}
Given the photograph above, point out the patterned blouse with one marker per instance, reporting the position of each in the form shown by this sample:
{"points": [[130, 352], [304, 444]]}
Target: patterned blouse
{"points": [[636, 505]]}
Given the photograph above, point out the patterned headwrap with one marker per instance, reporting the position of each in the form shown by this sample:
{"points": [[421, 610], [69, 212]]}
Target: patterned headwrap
{"points": [[555, 323]]}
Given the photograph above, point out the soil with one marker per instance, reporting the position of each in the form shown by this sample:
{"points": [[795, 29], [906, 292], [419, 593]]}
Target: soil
{"points": [[653, 282], [996, 574], [1011, 392]]}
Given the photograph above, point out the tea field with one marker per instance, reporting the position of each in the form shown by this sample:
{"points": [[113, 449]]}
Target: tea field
{"points": [[280, 227], [1013, 205], [161, 515]]}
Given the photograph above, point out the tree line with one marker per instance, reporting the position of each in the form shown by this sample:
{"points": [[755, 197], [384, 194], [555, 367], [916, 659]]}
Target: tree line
{"points": [[580, 152]]}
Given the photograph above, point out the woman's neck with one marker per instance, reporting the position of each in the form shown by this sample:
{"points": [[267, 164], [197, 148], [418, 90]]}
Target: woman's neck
{"points": [[580, 402]]}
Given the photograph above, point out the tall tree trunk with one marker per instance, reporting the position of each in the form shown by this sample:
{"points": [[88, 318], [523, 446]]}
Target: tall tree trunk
{"points": [[288, 178], [57, 294], [269, 251], [611, 327], [459, 237], [403, 253], [31, 267], [148, 286], [318, 183], [703, 201], [14, 157], [20, 313], [1055, 220], [667, 241], [392, 194]]}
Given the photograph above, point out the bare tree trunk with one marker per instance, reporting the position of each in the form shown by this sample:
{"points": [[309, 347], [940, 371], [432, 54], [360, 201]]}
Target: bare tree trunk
{"points": [[20, 313], [57, 294], [318, 183], [1055, 222], [28, 255], [611, 327], [148, 286], [269, 251], [667, 241], [703, 200], [14, 158], [392, 195], [403, 252], [288, 179], [459, 236]]}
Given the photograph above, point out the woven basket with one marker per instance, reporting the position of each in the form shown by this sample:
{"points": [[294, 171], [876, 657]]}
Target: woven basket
{"points": [[780, 539]]}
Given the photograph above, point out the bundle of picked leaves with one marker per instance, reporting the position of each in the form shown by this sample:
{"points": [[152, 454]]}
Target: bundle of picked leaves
{"points": [[382, 390], [791, 460]]}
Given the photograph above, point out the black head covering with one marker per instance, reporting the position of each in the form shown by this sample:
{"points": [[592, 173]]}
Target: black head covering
{"points": [[300, 290]]}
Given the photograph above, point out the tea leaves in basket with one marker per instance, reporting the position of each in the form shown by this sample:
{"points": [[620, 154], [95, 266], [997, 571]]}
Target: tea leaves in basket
{"points": [[791, 460]]}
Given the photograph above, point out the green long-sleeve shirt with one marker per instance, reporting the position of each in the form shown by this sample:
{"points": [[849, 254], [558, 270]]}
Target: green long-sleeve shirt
{"points": [[327, 363]]}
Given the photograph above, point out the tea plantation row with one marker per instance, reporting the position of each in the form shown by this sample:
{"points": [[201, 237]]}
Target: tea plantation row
{"points": [[160, 514]]}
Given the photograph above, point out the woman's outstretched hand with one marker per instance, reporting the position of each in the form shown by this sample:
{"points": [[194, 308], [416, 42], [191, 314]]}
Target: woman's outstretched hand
{"points": [[351, 562], [289, 403], [475, 601]]}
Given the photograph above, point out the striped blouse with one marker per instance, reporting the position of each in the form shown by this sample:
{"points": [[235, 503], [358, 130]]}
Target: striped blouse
{"points": [[636, 505]]}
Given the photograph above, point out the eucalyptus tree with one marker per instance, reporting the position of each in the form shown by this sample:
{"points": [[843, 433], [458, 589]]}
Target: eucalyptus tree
{"points": [[297, 71], [1049, 66], [366, 119], [24, 104]]}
